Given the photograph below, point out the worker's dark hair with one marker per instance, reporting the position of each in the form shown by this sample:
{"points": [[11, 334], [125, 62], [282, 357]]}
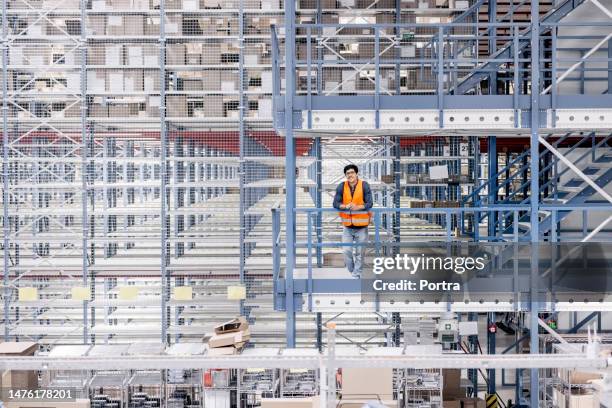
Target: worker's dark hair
{"points": [[349, 167]]}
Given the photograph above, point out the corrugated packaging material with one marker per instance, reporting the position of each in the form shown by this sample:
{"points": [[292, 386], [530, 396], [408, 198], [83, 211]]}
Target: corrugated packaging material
{"points": [[175, 54], [222, 351], [177, 105], [367, 383], [19, 379], [232, 326], [473, 403], [387, 178], [581, 377], [451, 384], [18, 348], [211, 80], [451, 404], [213, 107], [79, 403], [360, 403], [286, 403], [211, 54], [134, 25], [583, 401], [233, 334], [229, 339]]}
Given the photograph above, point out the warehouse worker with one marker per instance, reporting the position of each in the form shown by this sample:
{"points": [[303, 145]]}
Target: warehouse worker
{"points": [[355, 198]]}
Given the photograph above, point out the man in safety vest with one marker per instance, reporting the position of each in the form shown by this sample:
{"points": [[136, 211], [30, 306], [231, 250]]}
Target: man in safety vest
{"points": [[354, 199]]}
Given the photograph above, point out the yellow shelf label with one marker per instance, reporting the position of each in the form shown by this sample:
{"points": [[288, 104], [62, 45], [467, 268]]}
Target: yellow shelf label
{"points": [[28, 294]]}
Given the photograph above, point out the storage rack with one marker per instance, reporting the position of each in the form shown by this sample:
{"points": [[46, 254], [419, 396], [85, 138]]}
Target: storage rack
{"points": [[457, 103]]}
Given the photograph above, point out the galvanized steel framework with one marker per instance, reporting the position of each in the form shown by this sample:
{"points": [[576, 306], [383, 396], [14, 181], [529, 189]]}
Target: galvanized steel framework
{"points": [[91, 152], [302, 113]]}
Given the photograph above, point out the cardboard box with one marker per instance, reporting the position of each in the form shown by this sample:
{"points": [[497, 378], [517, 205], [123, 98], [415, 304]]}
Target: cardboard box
{"points": [[581, 377], [229, 339], [286, 403], [134, 25], [18, 348], [360, 403], [451, 384], [233, 326], [175, 54], [367, 383], [451, 404], [176, 105], [79, 403], [20, 379], [473, 403], [387, 179], [583, 401], [222, 351]]}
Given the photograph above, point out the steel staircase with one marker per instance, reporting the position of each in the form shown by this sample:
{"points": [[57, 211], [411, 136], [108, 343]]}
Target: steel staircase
{"points": [[506, 52], [558, 184]]}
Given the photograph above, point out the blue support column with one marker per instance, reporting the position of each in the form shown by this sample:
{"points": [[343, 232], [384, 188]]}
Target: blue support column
{"points": [[492, 187], [491, 388], [492, 5], [5, 172], [610, 67], [398, 34], [397, 174], [289, 170], [535, 192], [319, 198]]}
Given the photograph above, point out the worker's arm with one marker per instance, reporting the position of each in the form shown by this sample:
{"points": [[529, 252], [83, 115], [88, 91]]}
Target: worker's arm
{"points": [[338, 197], [367, 197]]}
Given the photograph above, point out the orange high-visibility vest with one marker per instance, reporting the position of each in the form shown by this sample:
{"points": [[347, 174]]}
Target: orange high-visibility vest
{"points": [[350, 219]]}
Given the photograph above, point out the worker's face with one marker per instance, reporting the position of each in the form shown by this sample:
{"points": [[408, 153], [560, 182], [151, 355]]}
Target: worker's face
{"points": [[351, 176]]}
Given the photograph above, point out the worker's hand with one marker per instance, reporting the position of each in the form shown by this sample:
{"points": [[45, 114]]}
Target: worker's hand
{"points": [[350, 206], [359, 208]]}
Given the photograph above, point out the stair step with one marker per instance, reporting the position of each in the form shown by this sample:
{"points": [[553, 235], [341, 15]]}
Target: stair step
{"points": [[552, 201], [524, 225], [589, 171], [573, 183], [607, 158]]}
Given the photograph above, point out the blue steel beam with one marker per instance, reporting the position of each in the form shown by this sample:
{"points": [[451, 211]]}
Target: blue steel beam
{"points": [[479, 102], [535, 194], [289, 171]]}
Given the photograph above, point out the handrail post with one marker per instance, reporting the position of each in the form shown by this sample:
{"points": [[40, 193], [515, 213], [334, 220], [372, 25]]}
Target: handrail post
{"points": [[377, 232], [275, 244], [309, 223], [440, 77]]}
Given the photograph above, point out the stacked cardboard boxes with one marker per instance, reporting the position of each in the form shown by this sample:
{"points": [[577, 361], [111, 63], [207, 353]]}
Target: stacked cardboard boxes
{"points": [[79, 403], [230, 337], [19, 379], [360, 385]]}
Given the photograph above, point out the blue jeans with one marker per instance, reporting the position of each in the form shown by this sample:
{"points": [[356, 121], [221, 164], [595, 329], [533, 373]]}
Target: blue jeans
{"points": [[353, 255]]}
